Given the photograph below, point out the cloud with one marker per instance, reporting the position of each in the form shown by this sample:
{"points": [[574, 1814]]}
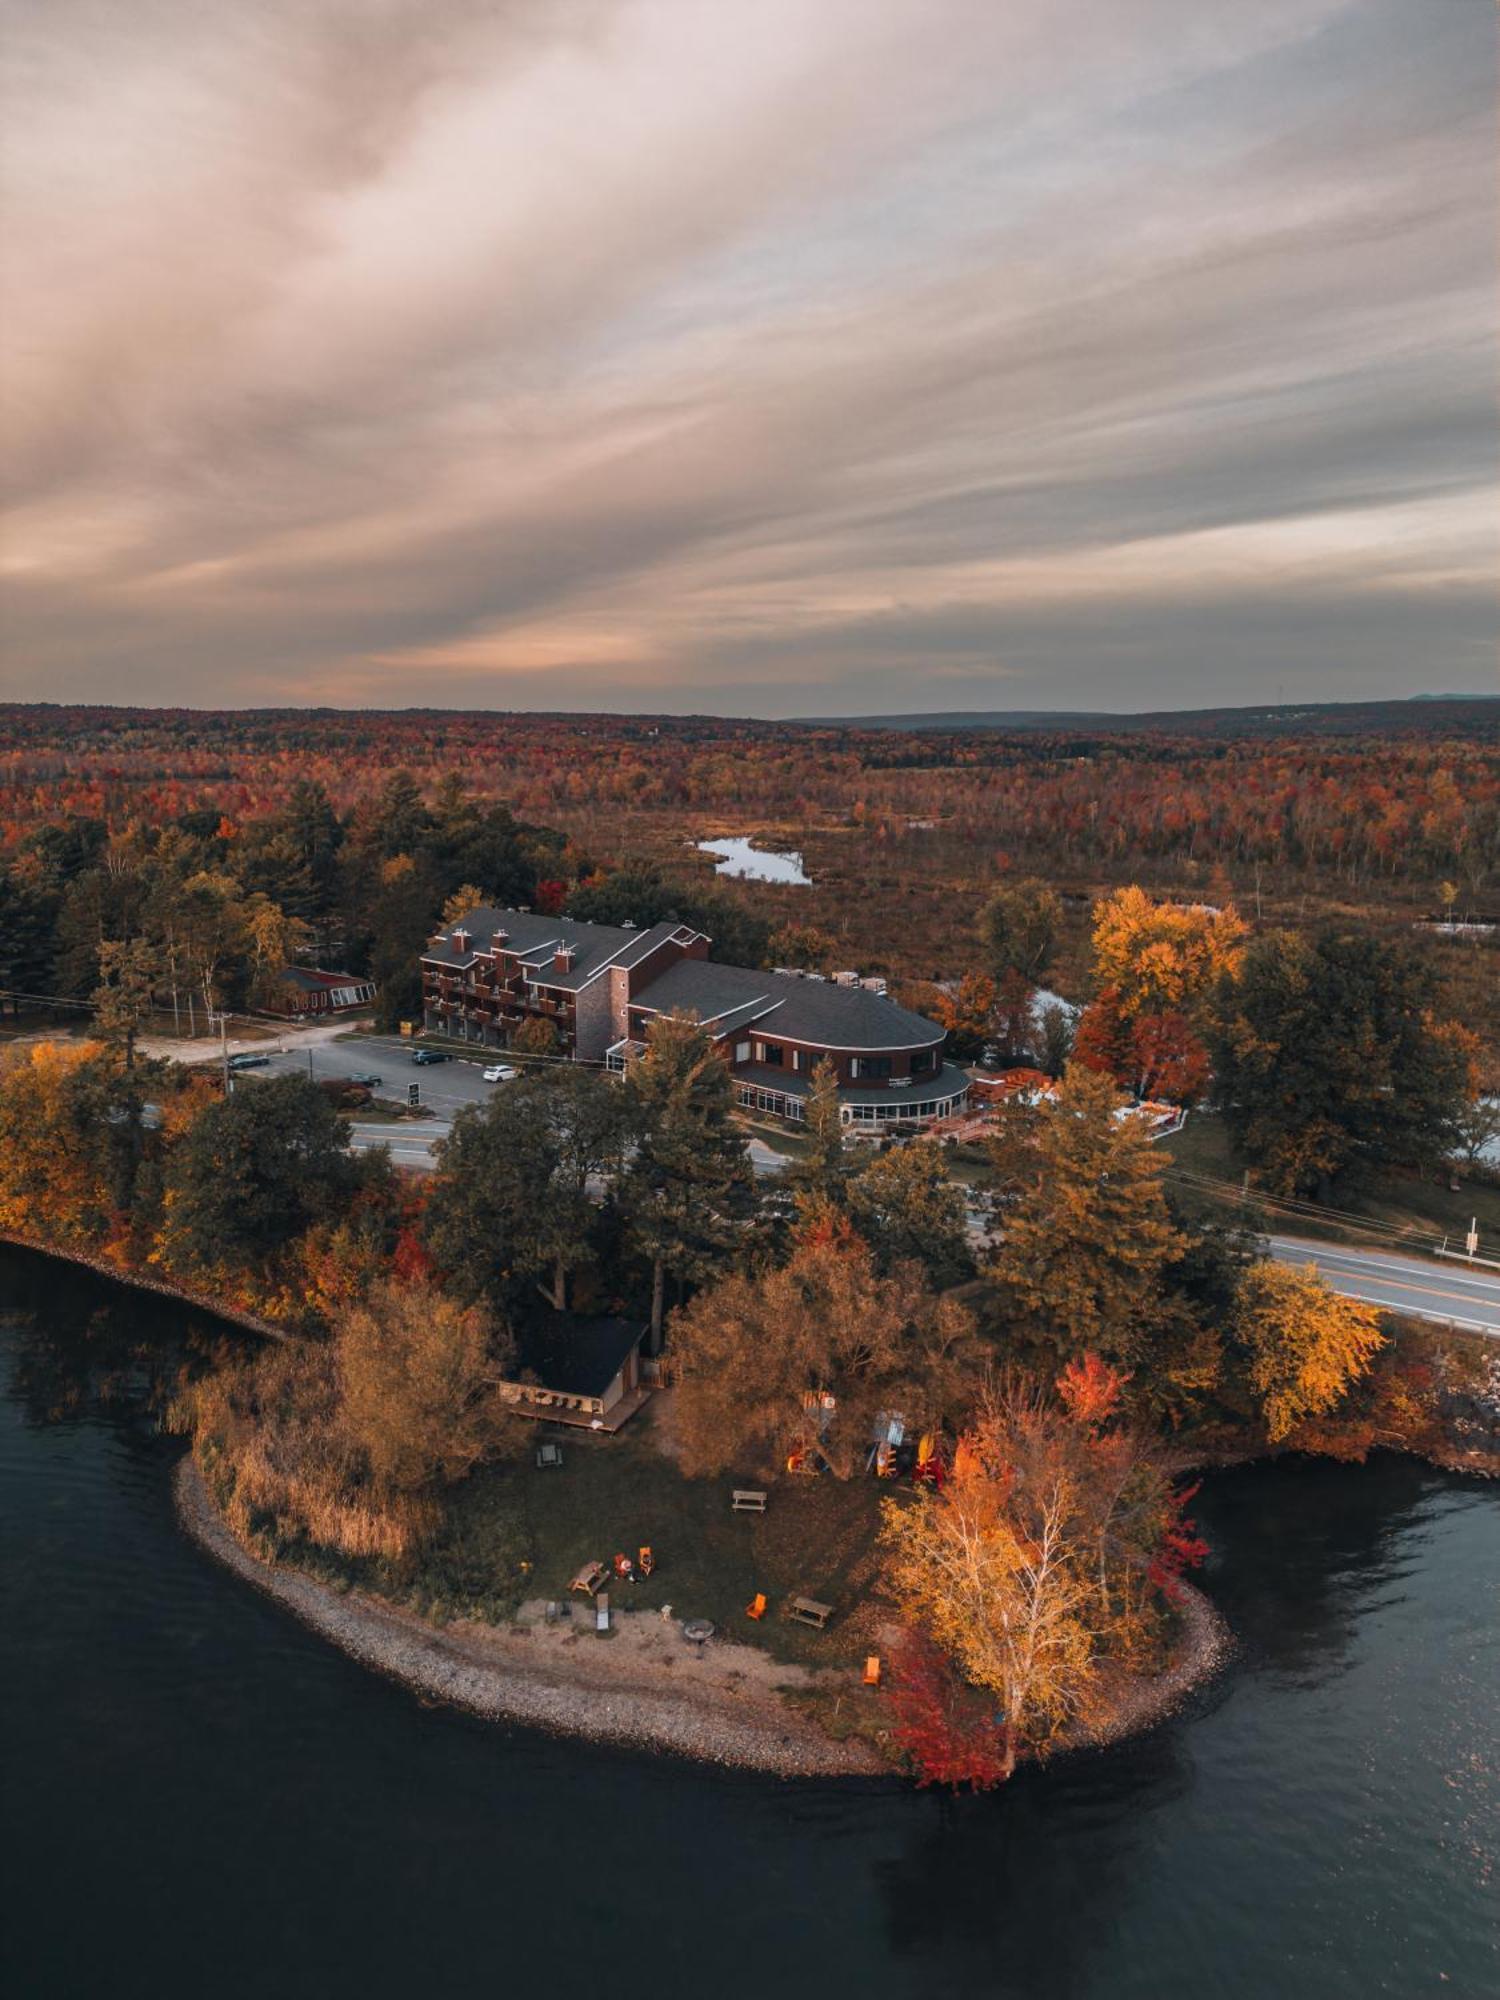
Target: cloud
{"points": [[651, 353]]}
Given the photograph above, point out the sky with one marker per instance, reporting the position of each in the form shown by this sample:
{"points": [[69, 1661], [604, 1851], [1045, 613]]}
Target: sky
{"points": [[857, 357]]}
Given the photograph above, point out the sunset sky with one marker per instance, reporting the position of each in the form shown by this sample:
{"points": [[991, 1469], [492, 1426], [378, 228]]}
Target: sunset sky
{"points": [[795, 357]]}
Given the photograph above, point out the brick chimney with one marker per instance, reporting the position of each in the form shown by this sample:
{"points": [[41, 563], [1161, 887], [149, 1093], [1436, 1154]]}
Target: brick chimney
{"points": [[461, 940], [499, 939], [562, 958]]}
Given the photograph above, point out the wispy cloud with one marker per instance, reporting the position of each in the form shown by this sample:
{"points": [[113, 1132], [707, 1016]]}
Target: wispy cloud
{"points": [[654, 353]]}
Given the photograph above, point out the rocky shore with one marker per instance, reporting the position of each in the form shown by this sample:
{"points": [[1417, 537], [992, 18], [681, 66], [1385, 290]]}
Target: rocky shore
{"points": [[645, 1687]]}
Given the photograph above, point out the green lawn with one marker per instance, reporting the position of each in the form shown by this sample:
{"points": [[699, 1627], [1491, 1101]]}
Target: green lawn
{"points": [[1405, 1208], [816, 1539]]}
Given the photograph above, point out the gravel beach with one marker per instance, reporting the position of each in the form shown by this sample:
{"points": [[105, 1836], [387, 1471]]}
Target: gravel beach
{"points": [[645, 1687]]}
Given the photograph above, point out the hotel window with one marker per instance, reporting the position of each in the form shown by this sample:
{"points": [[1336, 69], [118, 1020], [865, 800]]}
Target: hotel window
{"points": [[771, 1053], [742, 1052], [924, 1059], [873, 1066]]}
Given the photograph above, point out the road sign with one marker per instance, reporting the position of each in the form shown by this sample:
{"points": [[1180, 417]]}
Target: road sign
{"points": [[414, 1095]]}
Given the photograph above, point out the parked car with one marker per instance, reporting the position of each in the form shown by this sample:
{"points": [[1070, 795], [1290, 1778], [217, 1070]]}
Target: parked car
{"points": [[424, 1056], [501, 1073], [369, 1082], [249, 1062]]}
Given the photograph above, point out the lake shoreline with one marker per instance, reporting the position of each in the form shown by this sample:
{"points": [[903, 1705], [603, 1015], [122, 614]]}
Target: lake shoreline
{"points": [[149, 1281], [735, 1716]]}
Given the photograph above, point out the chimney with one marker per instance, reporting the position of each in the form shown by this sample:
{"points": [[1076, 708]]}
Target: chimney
{"points": [[500, 939], [562, 958], [461, 940]]}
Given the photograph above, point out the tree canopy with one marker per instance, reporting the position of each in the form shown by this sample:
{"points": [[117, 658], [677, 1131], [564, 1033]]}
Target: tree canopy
{"points": [[1331, 1061]]}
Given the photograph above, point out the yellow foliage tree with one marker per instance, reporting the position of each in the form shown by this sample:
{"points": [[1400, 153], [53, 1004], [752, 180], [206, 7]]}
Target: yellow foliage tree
{"points": [[1304, 1345], [1163, 957], [54, 1155], [1031, 1568], [417, 1373]]}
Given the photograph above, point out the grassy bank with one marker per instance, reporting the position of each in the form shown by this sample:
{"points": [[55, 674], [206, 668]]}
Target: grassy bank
{"points": [[515, 1531]]}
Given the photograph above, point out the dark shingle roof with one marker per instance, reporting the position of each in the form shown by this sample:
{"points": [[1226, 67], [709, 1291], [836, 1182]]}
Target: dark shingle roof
{"points": [[576, 1357], [804, 1010], [533, 938]]}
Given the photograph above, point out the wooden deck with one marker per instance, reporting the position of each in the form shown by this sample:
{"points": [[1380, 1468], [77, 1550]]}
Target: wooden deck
{"points": [[556, 1413]]}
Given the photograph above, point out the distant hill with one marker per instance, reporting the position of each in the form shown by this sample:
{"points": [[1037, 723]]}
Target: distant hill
{"points": [[1424, 714]]}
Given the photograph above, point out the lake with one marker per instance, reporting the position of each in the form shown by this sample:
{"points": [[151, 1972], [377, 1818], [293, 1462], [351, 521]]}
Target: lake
{"points": [[204, 1800], [755, 864]]}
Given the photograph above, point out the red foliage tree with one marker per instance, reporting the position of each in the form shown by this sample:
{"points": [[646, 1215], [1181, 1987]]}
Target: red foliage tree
{"points": [[1170, 1061], [1091, 1390], [1103, 1040], [949, 1732], [1181, 1547]]}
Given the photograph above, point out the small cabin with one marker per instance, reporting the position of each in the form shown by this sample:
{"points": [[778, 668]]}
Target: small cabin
{"points": [[306, 989], [572, 1368]]}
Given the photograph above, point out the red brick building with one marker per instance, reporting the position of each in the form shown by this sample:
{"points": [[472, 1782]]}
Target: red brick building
{"points": [[601, 986]]}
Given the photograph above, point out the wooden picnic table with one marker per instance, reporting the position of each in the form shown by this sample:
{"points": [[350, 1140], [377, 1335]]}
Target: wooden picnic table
{"points": [[747, 1500], [808, 1611], [589, 1578]]}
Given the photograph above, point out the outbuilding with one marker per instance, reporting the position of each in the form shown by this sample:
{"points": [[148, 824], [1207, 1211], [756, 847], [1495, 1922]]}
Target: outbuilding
{"points": [[572, 1368]]}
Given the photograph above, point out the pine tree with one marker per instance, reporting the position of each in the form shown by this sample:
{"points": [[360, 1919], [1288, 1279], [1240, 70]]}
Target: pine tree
{"points": [[823, 1171], [688, 1188], [122, 1000], [1080, 1263]]}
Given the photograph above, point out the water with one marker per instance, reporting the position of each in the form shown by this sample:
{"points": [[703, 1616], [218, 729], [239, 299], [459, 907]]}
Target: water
{"points": [[755, 864], [203, 1799]]}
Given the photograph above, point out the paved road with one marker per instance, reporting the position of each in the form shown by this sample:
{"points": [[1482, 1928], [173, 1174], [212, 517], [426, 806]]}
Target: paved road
{"points": [[1446, 1290], [411, 1145]]}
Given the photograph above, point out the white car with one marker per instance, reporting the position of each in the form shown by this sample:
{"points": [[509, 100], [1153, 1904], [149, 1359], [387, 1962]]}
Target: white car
{"points": [[501, 1073]]}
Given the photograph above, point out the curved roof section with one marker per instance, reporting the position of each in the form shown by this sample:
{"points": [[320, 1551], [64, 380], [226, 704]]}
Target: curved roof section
{"points": [[729, 998]]}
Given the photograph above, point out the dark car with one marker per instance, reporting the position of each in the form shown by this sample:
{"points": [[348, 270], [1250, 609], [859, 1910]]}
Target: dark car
{"points": [[368, 1082], [249, 1062], [425, 1056]]}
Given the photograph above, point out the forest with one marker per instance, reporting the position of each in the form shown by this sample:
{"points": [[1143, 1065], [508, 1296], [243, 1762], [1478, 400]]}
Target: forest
{"points": [[1387, 817]]}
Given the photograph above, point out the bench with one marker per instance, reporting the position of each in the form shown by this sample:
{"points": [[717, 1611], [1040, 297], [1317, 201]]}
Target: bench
{"points": [[808, 1611], [601, 1612], [548, 1454], [747, 1501], [589, 1578]]}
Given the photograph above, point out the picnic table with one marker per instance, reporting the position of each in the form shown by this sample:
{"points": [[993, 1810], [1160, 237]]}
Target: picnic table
{"points": [[808, 1611], [747, 1500], [589, 1578]]}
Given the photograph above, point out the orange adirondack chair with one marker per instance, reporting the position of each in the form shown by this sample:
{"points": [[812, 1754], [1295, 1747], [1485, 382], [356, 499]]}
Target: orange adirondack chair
{"points": [[756, 1608]]}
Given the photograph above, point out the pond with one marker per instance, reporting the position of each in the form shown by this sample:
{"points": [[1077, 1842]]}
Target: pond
{"points": [[204, 1799], [736, 856]]}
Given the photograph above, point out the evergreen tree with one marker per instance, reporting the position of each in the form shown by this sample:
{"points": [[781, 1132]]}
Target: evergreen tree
{"points": [[823, 1171], [122, 1000], [687, 1189], [1080, 1263], [1331, 1063], [909, 1208], [511, 1202], [252, 1172]]}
